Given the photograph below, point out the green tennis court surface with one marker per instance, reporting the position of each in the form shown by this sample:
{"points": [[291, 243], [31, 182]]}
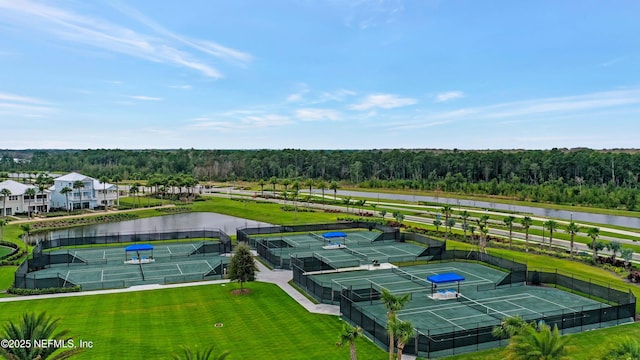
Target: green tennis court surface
{"points": [[357, 248], [480, 301], [112, 267]]}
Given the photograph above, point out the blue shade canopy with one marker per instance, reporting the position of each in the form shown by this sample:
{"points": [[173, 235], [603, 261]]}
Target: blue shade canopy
{"points": [[445, 278], [334, 234], [138, 247]]}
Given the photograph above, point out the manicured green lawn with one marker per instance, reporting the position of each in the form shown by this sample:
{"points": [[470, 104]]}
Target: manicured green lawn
{"points": [[5, 250], [6, 276], [266, 324]]}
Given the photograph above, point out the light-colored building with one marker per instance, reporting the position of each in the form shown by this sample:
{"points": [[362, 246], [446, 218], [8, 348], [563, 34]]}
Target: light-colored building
{"points": [[19, 201], [92, 194]]}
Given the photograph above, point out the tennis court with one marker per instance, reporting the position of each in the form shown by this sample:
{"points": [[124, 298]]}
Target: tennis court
{"points": [[113, 267], [480, 301], [356, 248]]}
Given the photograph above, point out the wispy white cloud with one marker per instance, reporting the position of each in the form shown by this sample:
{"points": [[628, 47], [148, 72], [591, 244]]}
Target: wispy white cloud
{"points": [[528, 110], [162, 46], [24, 106], [449, 95], [382, 101], [181, 87], [311, 114], [366, 14], [239, 120], [145, 98], [300, 93]]}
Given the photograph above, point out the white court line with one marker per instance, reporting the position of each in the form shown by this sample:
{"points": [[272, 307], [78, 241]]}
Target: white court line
{"points": [[178, 266], [104, 254], [454, 324], [194, 247], [474, 275], [405, 251], [522, 308], [169, 250], [210, 267], [102, 275], [554, 303]]}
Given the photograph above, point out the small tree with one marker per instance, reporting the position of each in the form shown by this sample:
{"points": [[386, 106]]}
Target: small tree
{"points": [[383, 213], [5, 194], [65, 191], [526, 224], [593, 233], [541, 343], [242, 267], [551, 225], [79, 185], [624, 349], [393, 304], [200, 354], [32, 326], [626, 254], [614, 247], [437, 223], [572, 230], [349, 335], [27, 233], [509, 222], [403, 331], [509, 327]]}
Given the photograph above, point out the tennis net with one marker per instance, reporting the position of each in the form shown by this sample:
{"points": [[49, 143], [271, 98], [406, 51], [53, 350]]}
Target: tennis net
{"points": [[409, 276], [314, 235], [482, 308], [141, 271], [356, 253]]}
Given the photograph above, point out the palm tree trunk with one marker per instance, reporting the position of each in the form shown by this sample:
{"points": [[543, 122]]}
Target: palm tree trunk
{"points": [[400, 348], [550, 238], [391, 345], [352, 350]]}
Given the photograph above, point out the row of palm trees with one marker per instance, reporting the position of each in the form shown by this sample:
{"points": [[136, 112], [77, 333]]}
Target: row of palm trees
{"points": [[572, 228], [296, 185]]}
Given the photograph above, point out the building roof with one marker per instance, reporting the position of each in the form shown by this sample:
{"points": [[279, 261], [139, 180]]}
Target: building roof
{"points": [[74, 176], [15, 187]]}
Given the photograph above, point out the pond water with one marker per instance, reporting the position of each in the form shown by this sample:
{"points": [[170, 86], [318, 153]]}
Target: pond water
{"points": [[185, 221], [627, 221]]}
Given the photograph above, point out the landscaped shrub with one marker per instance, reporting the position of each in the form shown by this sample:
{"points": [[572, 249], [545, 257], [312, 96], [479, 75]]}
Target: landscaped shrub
{"points": [[18, 291]]}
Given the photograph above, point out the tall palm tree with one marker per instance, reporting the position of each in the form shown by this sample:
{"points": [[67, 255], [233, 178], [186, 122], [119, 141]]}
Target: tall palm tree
{"points": [[349, 335], [43, 182], [103, 180], [133, 190], [526, 224], [3, 222], [446, 210], [542, 343], [464, 215], [572, 229], [508, 221], [5, 194], [322, 186], [273, 180], [310, 184], [27, 234], [32, 326], [334, 186], [551, 225], [403, 331], [593, 233], [116, 179], [65, 191], [393, 303], [79, 185], [261, 183], [31, 193], [200, 354]]}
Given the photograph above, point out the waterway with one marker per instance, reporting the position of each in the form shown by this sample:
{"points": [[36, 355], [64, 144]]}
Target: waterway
{"points": [[185, 221], [627, 221]]}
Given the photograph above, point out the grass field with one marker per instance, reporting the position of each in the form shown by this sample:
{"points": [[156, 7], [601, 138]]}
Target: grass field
{"points": [[5, 250], [267, 324]]}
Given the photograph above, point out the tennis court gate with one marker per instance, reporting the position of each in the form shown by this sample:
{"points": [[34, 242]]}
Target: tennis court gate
{"points": [[446, 341]]}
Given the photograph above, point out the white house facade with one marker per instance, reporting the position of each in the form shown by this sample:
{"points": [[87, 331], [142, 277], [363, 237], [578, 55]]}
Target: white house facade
{"points": [[90, 195], [19, 201]]}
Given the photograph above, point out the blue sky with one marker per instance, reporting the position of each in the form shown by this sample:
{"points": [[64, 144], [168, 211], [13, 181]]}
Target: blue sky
{"points": [[346, 74]]}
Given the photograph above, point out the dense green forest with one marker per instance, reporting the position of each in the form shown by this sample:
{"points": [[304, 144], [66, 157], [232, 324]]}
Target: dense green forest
{"points": [[576, 176]]}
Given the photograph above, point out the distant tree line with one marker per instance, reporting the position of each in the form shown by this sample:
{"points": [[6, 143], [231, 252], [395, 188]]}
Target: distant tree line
{"points": [[571, 176]]}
